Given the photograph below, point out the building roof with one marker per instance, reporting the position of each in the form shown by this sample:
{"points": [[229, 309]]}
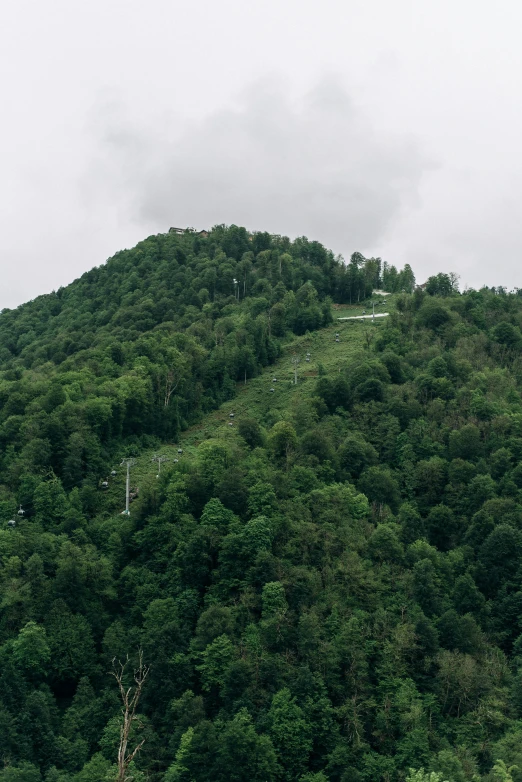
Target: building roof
{"points": [[174, 230]]}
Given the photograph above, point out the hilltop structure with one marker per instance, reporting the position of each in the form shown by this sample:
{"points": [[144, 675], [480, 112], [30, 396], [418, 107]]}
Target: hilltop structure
{"points": [[182, 231]]}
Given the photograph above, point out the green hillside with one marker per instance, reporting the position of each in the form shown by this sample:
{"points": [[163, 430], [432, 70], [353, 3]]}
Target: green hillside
{"points": [[256, 399], [326, 586]]}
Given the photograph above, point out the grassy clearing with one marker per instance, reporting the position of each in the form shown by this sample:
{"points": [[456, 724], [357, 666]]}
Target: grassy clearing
{"points": [[255, 400]]}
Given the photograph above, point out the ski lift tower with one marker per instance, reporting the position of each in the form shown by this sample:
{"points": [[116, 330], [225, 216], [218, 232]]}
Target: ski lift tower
{"points": [[159, 459], [295, 362], [128, 463]]}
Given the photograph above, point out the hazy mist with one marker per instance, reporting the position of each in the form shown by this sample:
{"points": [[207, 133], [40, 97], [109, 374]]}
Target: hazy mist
{"points": [[391, 128], [311, 166]]}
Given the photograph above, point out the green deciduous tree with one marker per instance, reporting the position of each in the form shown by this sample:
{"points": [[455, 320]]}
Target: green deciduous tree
{"points": [[380, 486], [31, 651], [290, 733], [420, 775]]}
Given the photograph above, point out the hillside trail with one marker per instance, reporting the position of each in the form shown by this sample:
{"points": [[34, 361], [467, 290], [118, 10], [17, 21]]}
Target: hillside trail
{"points": [[268, 397]]}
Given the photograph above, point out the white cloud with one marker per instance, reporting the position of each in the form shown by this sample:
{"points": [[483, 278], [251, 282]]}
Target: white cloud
{"points": [[315, 166]]}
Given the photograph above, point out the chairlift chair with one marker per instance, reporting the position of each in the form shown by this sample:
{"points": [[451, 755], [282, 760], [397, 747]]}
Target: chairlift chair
{"points": [[20, 511]]}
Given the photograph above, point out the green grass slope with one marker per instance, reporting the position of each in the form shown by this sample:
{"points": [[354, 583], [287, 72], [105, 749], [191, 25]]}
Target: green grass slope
{"points": [[254, 399]]}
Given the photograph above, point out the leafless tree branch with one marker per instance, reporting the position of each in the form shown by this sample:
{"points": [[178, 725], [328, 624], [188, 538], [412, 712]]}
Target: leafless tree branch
{"points": [[130, 697]]}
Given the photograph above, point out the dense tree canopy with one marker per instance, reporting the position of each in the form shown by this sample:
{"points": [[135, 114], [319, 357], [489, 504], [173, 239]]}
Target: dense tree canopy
{"points": [[328, 589]]}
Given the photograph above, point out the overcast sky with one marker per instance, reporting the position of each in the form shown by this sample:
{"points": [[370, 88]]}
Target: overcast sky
{"points": [[392, 128]]}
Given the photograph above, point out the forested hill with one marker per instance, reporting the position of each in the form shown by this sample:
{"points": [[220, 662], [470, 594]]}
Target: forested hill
{"points": [[325, 579], [163, 331], [160, 334]]}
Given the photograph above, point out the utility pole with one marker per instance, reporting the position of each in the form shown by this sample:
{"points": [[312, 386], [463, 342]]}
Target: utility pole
{"points": [[129, 463], [159, 459], [295, 362]]}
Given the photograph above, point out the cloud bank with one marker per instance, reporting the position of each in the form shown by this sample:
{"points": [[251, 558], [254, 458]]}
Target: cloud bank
{"points": [[315, 165]]}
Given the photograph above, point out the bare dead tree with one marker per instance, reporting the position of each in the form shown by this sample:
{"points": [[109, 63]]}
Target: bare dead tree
{"points": [[170, 386], [130, 697]]}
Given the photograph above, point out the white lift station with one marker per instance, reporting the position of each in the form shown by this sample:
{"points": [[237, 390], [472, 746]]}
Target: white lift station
{"points": [[367, 317], [374, 314]]}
